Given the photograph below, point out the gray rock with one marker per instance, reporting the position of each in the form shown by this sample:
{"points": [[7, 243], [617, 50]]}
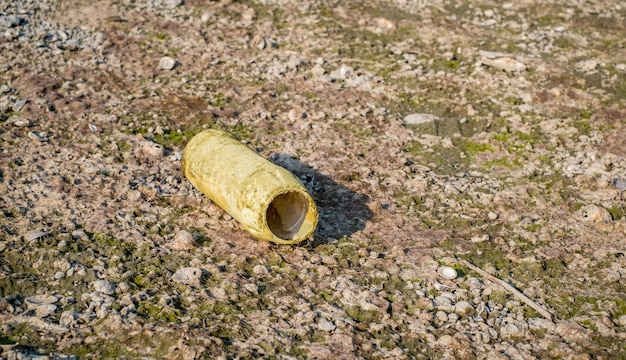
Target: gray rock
{"points": [[105, 287], [504, 63], [19, 105], [35, 235], [68, 317], [45, 310], [9, 21], [326, 325], [418, 119], [188, 275], [37, 300], [183, 241], [174, 3], [463, 308]]}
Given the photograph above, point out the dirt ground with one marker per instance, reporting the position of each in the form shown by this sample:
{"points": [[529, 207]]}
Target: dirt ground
{"points": [[431, 134]]}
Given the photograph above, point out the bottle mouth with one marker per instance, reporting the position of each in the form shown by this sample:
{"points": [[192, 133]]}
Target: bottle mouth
{"points": [[286, 216]]}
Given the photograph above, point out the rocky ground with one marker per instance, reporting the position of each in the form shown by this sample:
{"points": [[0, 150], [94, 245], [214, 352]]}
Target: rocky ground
{"points": [[479, 135]]}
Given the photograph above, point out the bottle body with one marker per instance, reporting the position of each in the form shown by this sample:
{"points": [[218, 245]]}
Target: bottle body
{"points": [[266, 199]]}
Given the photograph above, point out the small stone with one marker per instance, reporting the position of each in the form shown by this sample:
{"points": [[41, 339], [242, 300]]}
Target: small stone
{"points": [[621, 321], [149, 151], [504, 63], [475, 283], [40, 136], [68, 317], [540, 323], [174, 3], [441, 317], [105, 287], [59, 275], [206, 17], [19, 105], [35, 235], [188, 275], [19, 122], [596, 214], [586, 65], [326, 325], [492, 215], [167, 63], [37, 300], [425, 304], [417, 119], [123, 287], [78, 234], [45, 310], [479, 239], [9, 21], [175, 156], [463, 308], [253, 288], [511, 331], [183, 241], [260, 271]]}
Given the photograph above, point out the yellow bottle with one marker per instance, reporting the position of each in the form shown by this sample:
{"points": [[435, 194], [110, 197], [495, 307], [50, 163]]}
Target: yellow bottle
{"points": [[267, 200]]}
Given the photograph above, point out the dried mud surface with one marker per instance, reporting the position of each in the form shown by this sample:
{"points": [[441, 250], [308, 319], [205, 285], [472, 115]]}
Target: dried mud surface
{"points": [[426, 131]]}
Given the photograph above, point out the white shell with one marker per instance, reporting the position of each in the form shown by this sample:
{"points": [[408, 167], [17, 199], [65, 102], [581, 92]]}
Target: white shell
{"points": [[35, 234], [167, 63], [447, 272]]}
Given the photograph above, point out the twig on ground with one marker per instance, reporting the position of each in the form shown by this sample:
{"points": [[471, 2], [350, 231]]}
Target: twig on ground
{"points": [[508, 287]]}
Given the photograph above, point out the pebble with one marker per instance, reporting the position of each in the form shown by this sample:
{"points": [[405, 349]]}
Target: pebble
{"points": [[475, 283], [149, 150], [68, 317], [105, 287], [38, 300], [252, 288], [167, 63], [260, 271], [586, 65], [479, 239], [183, 241], [441, 317], [417, 119], [596, 214], [326, 325], [19, 122], [504, 63], [188, 275], [39, 136], [463, 308], [19, 105], [492, 215], [35, 235], [174, 3]]}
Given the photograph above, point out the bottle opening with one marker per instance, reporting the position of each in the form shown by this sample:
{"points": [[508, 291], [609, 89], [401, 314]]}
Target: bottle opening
{"points": [[286, 214]]}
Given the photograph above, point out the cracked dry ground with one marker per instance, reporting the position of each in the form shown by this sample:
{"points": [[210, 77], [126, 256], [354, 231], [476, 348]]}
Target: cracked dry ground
{"points": [[427, 132]]}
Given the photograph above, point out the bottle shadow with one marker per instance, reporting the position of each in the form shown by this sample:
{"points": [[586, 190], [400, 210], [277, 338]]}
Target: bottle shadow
{"points": [[342, 212]]}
